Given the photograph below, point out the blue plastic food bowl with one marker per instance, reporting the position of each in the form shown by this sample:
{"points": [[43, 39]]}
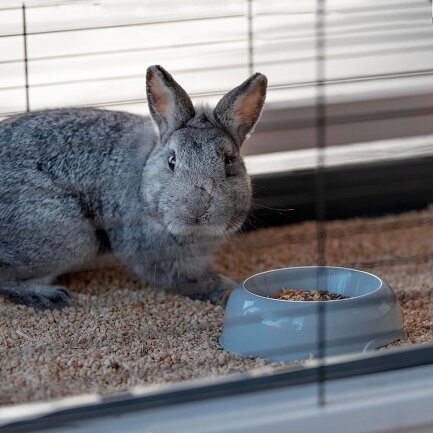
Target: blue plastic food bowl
{"points": [[258, 326]]}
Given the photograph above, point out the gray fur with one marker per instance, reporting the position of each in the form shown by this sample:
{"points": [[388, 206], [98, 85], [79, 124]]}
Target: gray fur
{"points": [[79, 184]]}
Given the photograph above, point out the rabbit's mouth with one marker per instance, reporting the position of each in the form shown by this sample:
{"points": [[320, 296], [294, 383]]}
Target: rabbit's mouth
{"points": [[204, 226], [197, 227]]}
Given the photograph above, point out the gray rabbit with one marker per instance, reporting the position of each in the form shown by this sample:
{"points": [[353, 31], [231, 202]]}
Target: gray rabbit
{"points": [[79, 184]]}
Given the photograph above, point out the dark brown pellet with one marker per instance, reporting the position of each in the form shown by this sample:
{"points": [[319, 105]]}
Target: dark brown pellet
{"points": [[308, 295]]}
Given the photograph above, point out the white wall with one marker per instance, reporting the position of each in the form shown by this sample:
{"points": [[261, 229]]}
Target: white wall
{"points": [[106, 65]]}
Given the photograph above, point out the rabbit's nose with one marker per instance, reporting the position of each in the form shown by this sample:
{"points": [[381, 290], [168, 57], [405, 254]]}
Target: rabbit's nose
{"points": [[201, 203]]}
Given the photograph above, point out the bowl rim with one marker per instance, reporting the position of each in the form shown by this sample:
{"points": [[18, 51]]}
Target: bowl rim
{"points": [[352, 298]]}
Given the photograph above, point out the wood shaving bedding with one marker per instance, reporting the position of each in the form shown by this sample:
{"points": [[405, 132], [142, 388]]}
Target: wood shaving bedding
{"points": [[120, 333]]}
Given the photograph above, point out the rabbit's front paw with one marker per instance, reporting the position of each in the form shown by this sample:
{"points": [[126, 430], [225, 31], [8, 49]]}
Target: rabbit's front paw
{"points": [[218, 293], [50, 297]]}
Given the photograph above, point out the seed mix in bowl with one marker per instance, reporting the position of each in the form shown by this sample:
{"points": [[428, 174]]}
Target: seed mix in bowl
{"points": [[307, 295]]}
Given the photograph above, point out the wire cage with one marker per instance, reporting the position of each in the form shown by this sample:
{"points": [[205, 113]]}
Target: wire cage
{"points": [[341, 163]]}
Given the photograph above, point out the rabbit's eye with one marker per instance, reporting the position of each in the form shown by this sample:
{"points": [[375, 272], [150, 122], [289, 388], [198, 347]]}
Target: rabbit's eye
{"points": [[172, 161], [228, 159]]}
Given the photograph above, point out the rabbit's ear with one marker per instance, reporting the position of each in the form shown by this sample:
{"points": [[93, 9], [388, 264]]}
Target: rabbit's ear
{"points": [[170, 106], [239, 110]]}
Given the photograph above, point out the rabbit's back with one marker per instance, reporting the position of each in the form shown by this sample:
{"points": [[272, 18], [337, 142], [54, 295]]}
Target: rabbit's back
{"points": [[71, 147]]}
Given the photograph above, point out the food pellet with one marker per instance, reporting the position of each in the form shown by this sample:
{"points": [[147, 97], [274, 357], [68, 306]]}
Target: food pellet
{"points": [[307, 295]]}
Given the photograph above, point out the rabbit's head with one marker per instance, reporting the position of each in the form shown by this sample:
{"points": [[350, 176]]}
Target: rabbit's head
{"points": [[195, 179]]}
